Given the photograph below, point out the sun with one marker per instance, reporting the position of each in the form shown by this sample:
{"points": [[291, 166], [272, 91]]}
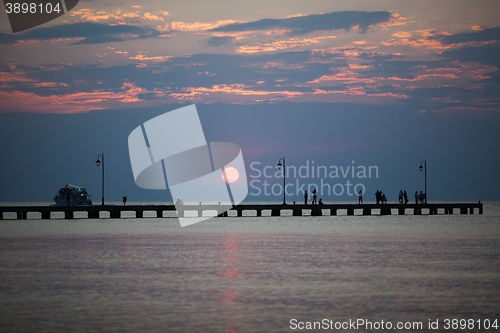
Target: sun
{"points": [[230, 175]]}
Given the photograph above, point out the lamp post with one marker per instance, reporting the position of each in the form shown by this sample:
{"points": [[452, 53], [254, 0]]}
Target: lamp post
{"points": [[284, 177], [425, 184], [98, 162]]}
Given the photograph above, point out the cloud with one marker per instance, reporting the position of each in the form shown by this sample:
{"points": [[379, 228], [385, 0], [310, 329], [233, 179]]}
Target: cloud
{"points": [[485, 35], [219, 41], [281, 44], [88, 32], [318, 22], [379, 56], [196, 26], [487, 54], [8, 39], [349, 74]]}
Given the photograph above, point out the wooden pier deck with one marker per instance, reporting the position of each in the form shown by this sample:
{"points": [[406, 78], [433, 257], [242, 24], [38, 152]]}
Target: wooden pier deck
{"points": [[115, 211]]}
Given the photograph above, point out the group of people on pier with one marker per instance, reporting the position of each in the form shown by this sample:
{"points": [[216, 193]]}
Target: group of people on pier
{"points": [[314, 199], [380, 197], [419, 197], [403, 197]]}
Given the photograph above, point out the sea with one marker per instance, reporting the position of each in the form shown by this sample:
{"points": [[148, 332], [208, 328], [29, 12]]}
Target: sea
{"points": [[426, 273]]}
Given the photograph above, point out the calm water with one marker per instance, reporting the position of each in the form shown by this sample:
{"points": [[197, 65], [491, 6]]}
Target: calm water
{"points": [[246, 274]]}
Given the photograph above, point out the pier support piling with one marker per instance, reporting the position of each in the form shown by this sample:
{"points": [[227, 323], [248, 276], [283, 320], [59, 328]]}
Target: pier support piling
{"points": [[316, 212], [68, 214]]}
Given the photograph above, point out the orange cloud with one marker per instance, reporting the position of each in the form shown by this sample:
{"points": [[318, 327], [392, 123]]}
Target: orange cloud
{"points": [[281, 45], [88, 14], [69, 103], [359, 91], [152, 17], [197, 26], [143, 57], [343, 74], [402, 34], [395, 20], [237, 89], [91, 15]]}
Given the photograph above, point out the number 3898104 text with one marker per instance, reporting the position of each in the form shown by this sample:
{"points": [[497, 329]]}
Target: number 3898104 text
{"points": [[32, 8]]}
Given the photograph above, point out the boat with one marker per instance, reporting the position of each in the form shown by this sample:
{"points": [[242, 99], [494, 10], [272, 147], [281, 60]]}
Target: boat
{"points": [[72, 195]]}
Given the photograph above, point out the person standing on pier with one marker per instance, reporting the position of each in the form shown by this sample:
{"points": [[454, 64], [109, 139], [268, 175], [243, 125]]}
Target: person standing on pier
{"points": [[305, 197], [314, 196], [401, 196], [377, 196], [416, 197], [360, 197], [405, 195]]}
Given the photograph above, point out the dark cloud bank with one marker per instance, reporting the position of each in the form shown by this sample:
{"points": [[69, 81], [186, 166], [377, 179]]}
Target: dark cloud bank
{"points": [[318, 22], [93, 33]]}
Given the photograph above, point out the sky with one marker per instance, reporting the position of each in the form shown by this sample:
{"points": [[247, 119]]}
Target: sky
{"points": [[341, 83]]}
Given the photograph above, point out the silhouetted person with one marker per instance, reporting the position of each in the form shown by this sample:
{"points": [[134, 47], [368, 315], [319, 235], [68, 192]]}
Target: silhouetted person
{"points": [[416, 197], [314, 196], [360, 197], [405, 195], [401, 196], [320, 202], [421, 197], [377, 196], [305, 197], [383, 198]]}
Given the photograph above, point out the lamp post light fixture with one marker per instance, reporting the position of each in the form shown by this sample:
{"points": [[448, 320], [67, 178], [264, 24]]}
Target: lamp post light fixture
{"points": [[424, 167], [284, 177], [98, 162]]}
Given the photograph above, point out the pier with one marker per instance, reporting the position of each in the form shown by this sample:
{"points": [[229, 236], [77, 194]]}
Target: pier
{"points": [[159, 211]]}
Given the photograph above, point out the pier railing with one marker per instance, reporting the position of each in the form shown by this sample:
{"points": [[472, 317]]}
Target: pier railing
{"points": [[116, 211]]}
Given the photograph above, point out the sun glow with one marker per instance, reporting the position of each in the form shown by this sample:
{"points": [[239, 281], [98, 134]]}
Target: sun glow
{"points": [[230, 175]]}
